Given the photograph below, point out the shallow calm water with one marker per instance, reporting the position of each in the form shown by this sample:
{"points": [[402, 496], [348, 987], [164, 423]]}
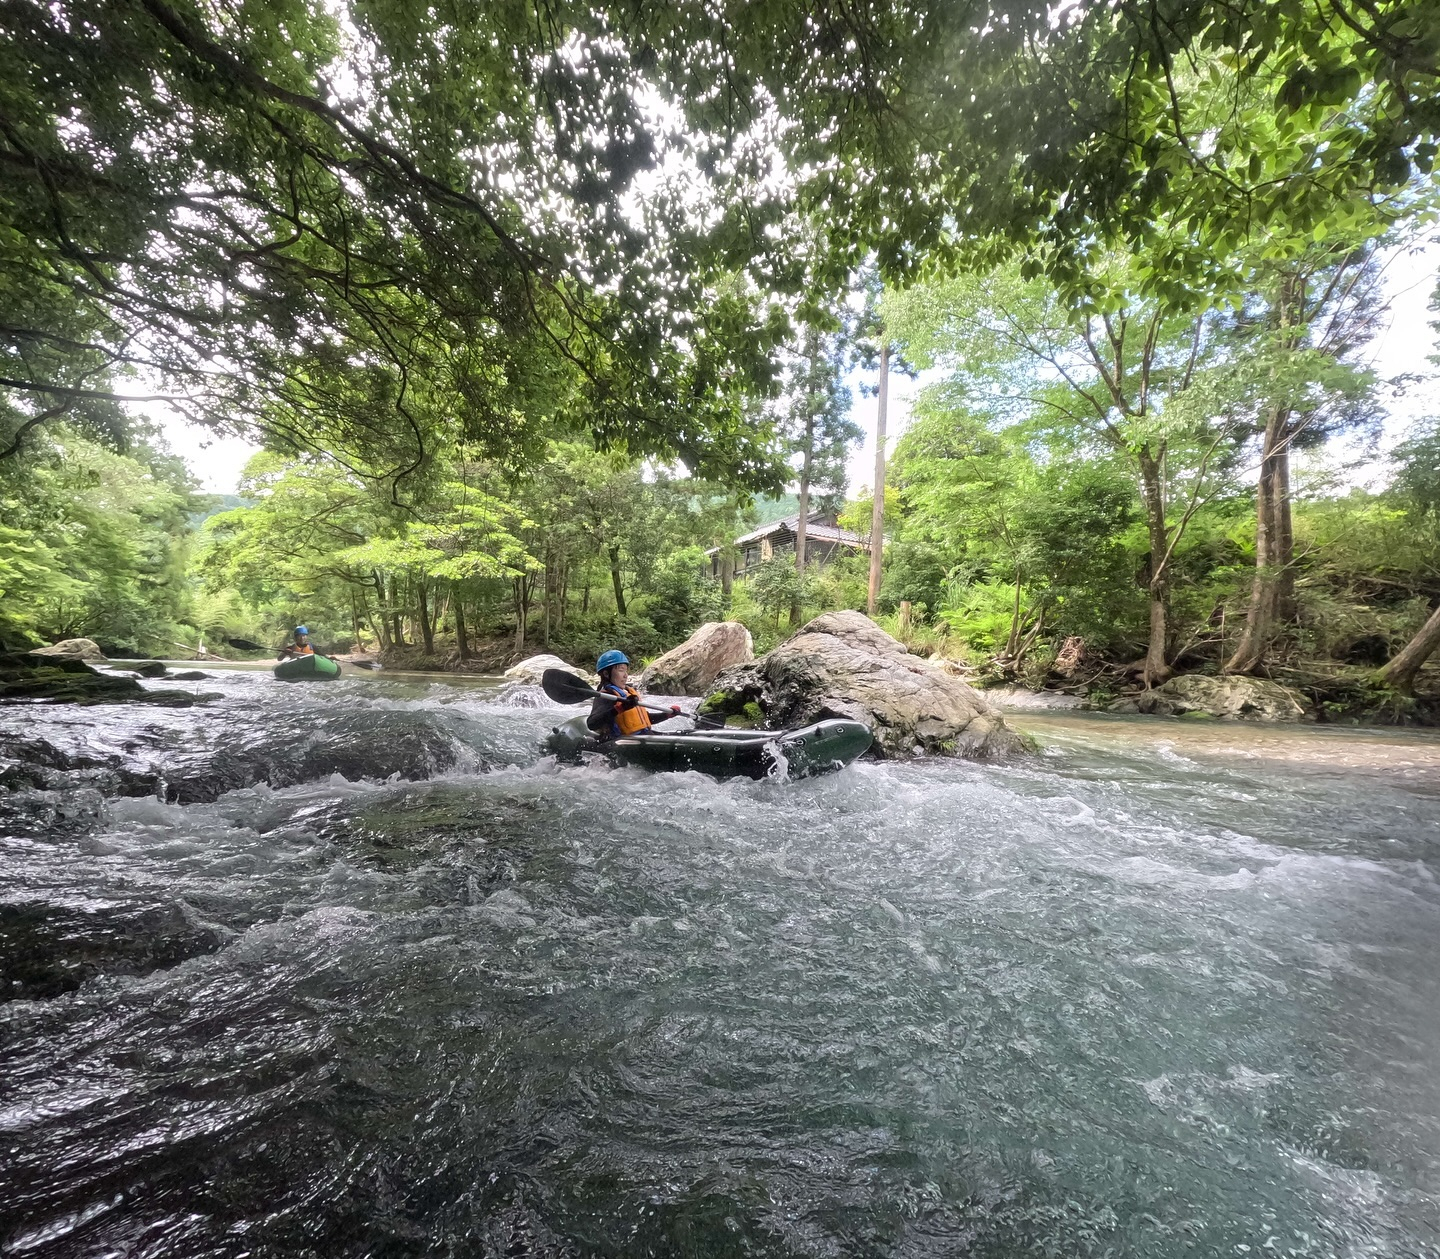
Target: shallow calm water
{"points": [[1164, 989]]}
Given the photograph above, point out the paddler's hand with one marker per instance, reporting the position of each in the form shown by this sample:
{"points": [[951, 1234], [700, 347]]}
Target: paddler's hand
{"points": [[630, 701], [674, 710]]}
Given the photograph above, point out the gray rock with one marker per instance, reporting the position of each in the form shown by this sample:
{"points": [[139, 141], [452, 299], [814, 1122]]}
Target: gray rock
{"points": [[1251, 699], [693, 666], [151, 669], [72, 649], [530, 670], [844, 665], [190, 675], [1021, 697]]}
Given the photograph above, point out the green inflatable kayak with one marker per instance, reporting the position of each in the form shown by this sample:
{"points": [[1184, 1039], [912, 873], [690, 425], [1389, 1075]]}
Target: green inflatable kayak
{"points": [[817, 749], [307, 669]]}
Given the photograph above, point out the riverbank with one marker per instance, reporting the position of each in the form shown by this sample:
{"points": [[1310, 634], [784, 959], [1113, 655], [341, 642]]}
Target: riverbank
{"points": [[1347, 699]]}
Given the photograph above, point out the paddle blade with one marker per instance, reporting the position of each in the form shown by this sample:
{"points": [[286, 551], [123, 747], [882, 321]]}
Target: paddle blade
{"points": [[565, 688]]}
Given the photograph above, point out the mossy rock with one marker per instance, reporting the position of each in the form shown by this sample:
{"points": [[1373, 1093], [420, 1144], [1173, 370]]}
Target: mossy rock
{"points": [[59, 680]]}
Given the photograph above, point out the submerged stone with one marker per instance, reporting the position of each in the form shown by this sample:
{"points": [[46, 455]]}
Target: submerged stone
{"points": [[67, 679], [65, 813], [49, 948]]}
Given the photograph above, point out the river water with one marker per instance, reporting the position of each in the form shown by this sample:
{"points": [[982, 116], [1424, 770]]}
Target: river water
{"points": [[1162, 989]]}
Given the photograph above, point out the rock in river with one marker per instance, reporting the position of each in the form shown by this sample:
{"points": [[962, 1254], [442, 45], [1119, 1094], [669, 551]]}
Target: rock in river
{"points": [[529, 671], [692, 667], [1254, 699], [67, 679], [72, 649], [844, 665]]}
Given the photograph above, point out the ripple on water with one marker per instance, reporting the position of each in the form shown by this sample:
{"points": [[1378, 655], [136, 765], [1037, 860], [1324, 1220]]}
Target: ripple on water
{"points": [[1117, 999]]}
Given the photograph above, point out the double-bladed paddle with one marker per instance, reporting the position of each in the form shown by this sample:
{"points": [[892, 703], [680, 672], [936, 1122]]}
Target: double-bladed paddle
{"points": [[566, 688]]}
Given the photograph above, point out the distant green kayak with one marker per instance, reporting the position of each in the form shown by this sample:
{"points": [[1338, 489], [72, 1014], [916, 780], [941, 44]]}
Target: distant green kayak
{"points": [[818, 749], [307, 669]]}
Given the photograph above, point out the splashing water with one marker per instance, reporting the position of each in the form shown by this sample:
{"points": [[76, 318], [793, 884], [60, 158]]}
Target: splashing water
{"points": [[1160, 990]]}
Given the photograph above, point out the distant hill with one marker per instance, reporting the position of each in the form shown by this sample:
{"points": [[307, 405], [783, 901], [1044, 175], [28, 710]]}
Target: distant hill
{"points": [[217, 504], [771, 509]]}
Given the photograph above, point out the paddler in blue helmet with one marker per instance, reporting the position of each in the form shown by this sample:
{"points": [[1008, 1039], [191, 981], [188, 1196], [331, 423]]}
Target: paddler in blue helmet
{"points": [[617, 711], [300, 646]]}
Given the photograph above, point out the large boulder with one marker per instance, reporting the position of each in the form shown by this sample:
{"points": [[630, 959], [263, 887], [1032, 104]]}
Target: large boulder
{"points": [[72, 649], [844, 665], [1253, 699], [692, 667], [530, 670]]}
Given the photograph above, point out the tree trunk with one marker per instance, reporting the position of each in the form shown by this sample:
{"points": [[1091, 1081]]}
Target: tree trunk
{"points": [[1400, 672], [1012, 644], [397, 618], [803, 522], [427, 631], [615, 579], [877, 515], [585, 592], [727, 573], [1283, 532], [545, 603], [1272, 590], [1156, 669], [522, 604], [462, 641], [377, 618]]}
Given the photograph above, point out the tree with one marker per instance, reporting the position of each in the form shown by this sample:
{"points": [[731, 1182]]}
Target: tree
{"points": [[818, 429], [1418, 483], [445, 254], [1308, 319], [1112, 375], [94, 542]]}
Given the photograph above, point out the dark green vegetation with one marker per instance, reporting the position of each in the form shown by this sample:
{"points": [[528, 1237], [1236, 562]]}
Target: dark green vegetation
{"points": [[527, 302]]}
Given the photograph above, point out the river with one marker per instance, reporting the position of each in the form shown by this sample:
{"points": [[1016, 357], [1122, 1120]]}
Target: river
{"points": [[1164, 988]]}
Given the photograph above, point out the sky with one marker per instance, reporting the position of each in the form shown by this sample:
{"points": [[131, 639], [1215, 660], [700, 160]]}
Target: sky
{"points": [[1402, 348]]}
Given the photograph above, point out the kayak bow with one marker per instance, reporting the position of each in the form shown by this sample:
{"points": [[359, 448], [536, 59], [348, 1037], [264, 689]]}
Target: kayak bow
{"points": [[307, 669]]}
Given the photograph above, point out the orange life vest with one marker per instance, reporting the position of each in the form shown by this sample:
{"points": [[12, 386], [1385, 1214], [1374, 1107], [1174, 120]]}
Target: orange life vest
{"points": [[629, 720], [301, 651]]}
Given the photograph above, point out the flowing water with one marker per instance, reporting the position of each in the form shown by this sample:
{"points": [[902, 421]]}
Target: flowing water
{"points": [[1163, 989]]}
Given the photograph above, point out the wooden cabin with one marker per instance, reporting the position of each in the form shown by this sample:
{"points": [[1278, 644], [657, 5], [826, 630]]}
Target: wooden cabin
{"points": [[824, 541]]}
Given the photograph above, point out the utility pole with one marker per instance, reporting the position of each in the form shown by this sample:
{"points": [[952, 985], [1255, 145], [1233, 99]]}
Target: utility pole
{"points": [[802, 524], [877, 518]]}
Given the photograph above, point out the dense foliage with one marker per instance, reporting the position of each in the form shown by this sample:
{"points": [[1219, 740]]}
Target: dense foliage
{"points": [[526, 302], [96, 543]]}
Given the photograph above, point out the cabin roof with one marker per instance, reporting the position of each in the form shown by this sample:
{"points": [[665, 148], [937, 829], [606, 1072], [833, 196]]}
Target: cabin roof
{"points": [[814, 530]]}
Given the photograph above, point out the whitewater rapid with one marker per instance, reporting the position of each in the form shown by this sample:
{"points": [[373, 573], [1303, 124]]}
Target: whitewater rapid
{"points": [[1160, 989]]}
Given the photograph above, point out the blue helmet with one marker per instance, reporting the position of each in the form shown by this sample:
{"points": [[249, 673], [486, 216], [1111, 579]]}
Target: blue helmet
{"points": [[609, 658], [300, 629]]}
